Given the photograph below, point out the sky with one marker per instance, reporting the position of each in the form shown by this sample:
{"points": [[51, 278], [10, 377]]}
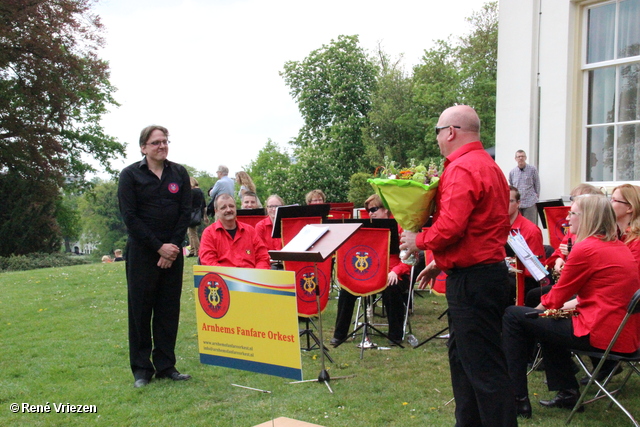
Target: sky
{"points": [[208, 70]]}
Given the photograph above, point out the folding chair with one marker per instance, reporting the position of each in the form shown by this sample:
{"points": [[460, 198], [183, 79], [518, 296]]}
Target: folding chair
{"points": [[630, 361]]}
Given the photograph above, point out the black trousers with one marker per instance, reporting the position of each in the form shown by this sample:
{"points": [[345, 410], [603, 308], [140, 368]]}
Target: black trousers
{"points": [[556, 338], [154, 310], [477, 298]]}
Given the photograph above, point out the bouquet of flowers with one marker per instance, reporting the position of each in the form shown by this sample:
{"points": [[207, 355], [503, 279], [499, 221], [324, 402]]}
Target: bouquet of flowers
{"points": [[408, 192]]}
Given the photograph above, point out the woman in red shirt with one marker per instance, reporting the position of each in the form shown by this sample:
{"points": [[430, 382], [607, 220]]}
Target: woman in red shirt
{"points": [[603, 274], [265, 228]]}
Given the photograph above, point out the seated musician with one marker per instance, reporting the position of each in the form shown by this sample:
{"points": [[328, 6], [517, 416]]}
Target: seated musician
{"points": [[556, 261], [603, 274], [392, 296], [531, 234], [230, 243], [265, 228]]}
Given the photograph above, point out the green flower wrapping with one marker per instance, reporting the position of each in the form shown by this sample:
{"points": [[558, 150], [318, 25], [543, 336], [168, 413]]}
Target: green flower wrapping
{"points": [[410, 202]]}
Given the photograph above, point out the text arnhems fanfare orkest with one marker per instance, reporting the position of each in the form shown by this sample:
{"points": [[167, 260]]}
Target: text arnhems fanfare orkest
{"points": [[254, 333]]}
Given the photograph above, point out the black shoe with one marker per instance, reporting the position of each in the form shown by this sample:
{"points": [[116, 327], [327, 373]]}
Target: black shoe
{"points": [[566, 399], [394, 343], [175, 376], [335, 341], [523, 407], [601, 376], [140, 383]]}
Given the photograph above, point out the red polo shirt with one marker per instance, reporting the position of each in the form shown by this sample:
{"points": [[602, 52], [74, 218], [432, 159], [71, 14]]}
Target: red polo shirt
{"points": [[471, 223], [264, 229], [245, 250]]}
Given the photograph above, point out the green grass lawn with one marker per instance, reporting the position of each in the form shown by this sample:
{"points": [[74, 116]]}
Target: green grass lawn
{"points": [[64, 341]]}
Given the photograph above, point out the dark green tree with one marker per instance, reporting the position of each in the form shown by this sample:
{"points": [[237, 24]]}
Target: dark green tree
{"points": [[102, 222], [28, 215], [53, 89], [53, 92]]}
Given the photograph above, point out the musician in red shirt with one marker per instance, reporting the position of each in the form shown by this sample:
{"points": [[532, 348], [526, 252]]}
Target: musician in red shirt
{"points": [[467, 239], [604, 274], [230, 243]]}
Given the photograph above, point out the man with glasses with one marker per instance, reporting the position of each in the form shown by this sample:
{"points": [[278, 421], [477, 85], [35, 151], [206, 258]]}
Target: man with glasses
{"points": [[155, 202], [525, 178], [467, 238]]}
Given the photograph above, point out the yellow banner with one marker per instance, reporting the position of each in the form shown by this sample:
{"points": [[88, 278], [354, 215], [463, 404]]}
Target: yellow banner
{"points": [[248, 319]]}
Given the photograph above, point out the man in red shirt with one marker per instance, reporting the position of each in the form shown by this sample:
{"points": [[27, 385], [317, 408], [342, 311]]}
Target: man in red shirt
{"points": [[531, 234], [230, 243], [467, 238]]}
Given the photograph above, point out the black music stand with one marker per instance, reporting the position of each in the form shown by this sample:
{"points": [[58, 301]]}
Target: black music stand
{"points": [[251, 212], [319, 251], [297, 211], [544, 204]]}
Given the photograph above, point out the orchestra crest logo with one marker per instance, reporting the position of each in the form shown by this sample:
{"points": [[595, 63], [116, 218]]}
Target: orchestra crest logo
{"points": [[307, 283], [361, 262], [173, 187], [214, 296]]}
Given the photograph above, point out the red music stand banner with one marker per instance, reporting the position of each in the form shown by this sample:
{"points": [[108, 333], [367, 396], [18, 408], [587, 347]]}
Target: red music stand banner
{"points": [[556, 223], [363, 261], [306, 282]]}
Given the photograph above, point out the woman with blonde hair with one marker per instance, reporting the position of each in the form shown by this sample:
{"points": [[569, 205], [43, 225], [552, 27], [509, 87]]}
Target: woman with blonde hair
{"points": [[603, 274], [625, 200], [246, 184]]}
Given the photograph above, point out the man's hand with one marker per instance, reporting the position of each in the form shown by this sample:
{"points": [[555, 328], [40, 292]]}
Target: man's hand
{"points": [[429, 273], [169, 251], [164, 263], [408, 241]]}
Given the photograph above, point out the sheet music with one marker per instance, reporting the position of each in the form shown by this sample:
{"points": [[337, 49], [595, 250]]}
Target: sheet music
{"points": [[524, 254], [305, 238]]}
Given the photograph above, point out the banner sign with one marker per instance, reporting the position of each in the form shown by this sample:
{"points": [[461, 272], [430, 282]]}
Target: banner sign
{"points": [[247, 319]]}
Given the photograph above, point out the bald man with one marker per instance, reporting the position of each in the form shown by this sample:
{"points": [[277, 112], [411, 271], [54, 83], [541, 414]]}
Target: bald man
{"points": [[468, 235]]}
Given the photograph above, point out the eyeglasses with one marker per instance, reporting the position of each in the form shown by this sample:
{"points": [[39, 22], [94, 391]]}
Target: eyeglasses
{"points": [[273, 206], [619, 201], [373, 209], [439, 128], [158, 143]]}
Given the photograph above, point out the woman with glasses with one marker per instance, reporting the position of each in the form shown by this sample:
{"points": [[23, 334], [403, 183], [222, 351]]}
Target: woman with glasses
{"points": [[265, 228], [392, 296], [603, 274]]}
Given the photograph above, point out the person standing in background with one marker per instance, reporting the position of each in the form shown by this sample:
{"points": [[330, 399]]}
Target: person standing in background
{"points": [[155, 202], [525, 178], [197, 202]]}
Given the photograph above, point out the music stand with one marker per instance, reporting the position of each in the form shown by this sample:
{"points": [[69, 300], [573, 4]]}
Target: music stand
{"points": [[251, 212], [319, 251], [546, 203], [296, 211]]}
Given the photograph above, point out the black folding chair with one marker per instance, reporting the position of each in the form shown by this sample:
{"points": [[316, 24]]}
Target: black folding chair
{"points": [[630, 361]]}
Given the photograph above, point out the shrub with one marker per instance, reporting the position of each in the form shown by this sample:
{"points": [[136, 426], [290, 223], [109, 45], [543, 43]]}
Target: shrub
{"points": [[39, 260]]}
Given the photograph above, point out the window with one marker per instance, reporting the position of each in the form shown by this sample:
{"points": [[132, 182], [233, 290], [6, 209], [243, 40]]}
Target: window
{"points": [[612, 76]]}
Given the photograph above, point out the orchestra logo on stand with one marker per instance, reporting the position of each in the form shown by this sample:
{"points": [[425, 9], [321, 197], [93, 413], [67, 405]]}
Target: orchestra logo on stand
{"points": [[307, 282], [214, 296], [362, 262]]}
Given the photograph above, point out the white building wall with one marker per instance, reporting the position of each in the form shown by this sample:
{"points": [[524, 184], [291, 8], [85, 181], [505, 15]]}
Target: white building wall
{"points": [[539, 81]]}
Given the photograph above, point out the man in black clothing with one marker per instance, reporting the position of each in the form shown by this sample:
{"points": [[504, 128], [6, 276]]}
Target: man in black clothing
{"points": [[155, 203]]}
